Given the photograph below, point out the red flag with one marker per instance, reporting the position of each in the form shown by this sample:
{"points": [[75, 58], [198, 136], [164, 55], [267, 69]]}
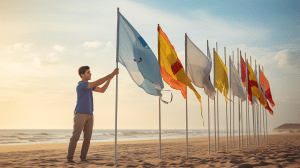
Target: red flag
{"points": [[243, 64], [268, 108], [264, 81], [243, 67]]}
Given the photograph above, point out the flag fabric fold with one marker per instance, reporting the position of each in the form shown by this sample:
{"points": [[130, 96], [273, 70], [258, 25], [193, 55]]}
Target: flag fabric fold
{"points": [[264, 81], [221, 76], [198, 69], [236, 83], [171, 68], [243, 69], [139, 60], [253, 89]]}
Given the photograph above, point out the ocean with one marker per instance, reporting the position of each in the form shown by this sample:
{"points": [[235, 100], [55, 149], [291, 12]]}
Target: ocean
{"points": [[39, 136]]}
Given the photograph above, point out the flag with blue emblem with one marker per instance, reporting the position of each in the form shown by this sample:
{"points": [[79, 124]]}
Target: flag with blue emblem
{"points": [[139, 60]]}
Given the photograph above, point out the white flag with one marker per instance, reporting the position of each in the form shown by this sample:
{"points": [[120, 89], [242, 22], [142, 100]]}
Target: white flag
{"points": [[236, 85], [198, 69], [138, 58]]}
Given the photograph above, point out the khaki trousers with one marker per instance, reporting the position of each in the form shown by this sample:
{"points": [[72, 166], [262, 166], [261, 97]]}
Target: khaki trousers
{"points": [[81, 122]]}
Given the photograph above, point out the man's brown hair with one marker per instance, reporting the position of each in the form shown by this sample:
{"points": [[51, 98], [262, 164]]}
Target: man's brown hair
{"points": [[82, 70]]}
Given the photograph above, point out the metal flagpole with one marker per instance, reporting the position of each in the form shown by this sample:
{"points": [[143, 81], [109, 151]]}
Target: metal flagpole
{"points": [[226, 106], [247, 105], [116, 112], [215, 102], [264, 125], [218, 122], [253, 131], [263, 89], [208, 115], [159, 126], [232, 105], [266, 114], [242, 120], [230, 109], [237, 61], [256, 113], [186, 102], [159, 116], [246, 79]]}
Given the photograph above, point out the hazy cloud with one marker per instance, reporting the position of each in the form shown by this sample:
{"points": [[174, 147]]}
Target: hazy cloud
{"points": [[51, 58], [22, 47], [90, 54], [36, 62], [93, 44], [59, 48], [288, 58]]}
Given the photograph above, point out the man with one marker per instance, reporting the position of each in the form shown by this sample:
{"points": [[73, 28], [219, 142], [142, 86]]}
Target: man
{"points": [[83, 117]]}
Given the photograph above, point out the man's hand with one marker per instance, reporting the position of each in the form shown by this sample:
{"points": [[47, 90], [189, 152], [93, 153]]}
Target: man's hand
{"points": [[103, 80], [116, 71]]}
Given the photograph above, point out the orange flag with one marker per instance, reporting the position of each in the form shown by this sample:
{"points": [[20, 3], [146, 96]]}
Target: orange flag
{"points": [[264, 81], [171, 68]]}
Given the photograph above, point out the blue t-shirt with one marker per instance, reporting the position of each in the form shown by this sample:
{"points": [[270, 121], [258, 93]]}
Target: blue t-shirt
{"points": [[84, 98]]}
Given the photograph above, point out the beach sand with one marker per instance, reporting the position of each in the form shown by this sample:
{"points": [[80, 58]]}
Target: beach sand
{"points": [[281, 150]]}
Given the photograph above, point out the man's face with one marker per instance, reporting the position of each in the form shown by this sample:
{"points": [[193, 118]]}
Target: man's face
{"points": [[87, 75]]}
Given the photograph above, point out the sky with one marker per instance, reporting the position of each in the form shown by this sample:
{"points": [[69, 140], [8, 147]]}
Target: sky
{"points": [[43, 43]]}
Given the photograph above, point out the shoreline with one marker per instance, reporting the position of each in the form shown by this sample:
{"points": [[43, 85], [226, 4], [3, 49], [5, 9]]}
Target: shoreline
{"points": [[281, 150], [64, 145]]}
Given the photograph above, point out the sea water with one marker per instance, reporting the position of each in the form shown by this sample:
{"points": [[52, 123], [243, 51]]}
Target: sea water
{"points": [[38, 136]]}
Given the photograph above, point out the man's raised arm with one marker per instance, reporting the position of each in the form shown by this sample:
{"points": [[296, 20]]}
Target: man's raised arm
{"points": [[104, 79]]}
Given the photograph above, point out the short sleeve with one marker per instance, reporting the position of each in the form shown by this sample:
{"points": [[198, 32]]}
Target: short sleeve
{"points": [[82, 86]]}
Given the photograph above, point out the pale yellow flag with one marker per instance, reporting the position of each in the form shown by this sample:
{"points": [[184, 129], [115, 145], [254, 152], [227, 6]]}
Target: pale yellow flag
{"points": [[221, 76]]}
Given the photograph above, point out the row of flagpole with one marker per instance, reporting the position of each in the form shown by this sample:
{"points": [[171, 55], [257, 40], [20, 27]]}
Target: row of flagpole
{"points": [[256, 111]]}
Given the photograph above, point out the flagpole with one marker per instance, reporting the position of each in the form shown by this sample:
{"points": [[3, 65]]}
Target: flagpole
{"points": [[242, 123], [215, 101], [218, 122], [237, 61], [260, 105], [257, 110], [159, 125], [208, 115], [247, 103], [256, 113], [263, 89], [226, 106], [186, 101], [253, 123], [259, 116], [116, 112], [266, 114], [159, 117], [232, 106]]}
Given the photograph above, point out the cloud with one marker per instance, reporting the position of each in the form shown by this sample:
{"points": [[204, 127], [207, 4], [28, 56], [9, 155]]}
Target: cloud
{"points": [[11, 49], [36, 62], [22, 47], [93, 44], [90, 54], [59, 48], [288, 58], [51, 59]]}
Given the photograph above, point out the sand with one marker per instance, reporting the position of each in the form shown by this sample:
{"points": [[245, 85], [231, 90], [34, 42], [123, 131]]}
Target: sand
{"points": [[281, 150]]}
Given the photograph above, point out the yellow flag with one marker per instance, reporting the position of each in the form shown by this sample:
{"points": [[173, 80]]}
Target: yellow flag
{"points": [[171, 68], [253, 87], [221, 76]]}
